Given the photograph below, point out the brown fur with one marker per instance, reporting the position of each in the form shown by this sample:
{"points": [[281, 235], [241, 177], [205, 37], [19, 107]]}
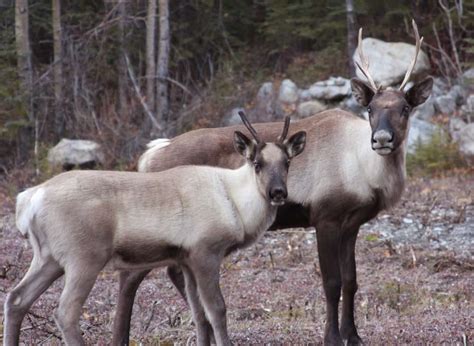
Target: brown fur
{"points": [[80, 221], [336, 185]]}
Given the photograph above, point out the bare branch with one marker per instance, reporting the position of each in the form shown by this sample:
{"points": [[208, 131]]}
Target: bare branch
{"points": [[447, 12], [140, 96]]}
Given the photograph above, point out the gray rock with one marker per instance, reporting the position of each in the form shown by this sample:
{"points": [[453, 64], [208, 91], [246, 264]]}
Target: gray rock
{"points": [[309, 108], [467, 110], [425, 111], [440, 87], [72, 152], [265, 103], [458, 94], [265, 93], [304, 95], [420, 133], [331, 89], [445, 104], [350, 104], [288, 93], [469, 74], [466, 143], [455, 126], [389, 61], [233, 118]]}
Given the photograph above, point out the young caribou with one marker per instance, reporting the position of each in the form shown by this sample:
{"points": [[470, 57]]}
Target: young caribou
{"points": [[351, 170], [77, 222]]}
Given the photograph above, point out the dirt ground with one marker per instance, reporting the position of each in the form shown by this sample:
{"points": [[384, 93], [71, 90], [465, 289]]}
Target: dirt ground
{"points": [[415, 273]]}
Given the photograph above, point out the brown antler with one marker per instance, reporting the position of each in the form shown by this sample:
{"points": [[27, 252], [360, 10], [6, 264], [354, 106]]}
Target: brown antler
{"points": [[249, 126], [364, 63], [419, 41], [284, 133]]}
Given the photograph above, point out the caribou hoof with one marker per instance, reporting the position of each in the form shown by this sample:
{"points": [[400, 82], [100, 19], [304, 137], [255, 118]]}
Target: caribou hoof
{"points": [[333, 340], [351, 337]]}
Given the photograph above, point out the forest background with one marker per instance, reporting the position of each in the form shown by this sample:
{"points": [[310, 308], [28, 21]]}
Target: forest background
{"points": [[123, 72]]}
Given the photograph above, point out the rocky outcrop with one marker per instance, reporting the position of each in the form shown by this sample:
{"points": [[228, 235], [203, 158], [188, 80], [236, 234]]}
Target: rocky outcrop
{"points": [[335, 88], [76, 152]]}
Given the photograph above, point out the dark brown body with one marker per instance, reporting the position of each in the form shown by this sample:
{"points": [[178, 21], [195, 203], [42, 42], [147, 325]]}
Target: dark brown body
{"points": [[329, 188], [350, 170]]}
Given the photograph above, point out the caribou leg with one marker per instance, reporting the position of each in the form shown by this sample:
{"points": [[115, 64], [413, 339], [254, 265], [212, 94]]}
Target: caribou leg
{"points": [[328, 238], [177, 278], [203, 328], [41, 274], [349, 286], [129, 282], [80, 277], [205, 266]]}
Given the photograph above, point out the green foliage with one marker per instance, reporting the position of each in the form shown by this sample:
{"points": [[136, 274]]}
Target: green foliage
{"points": [[305, 69], [438, 155], [304, 24]]}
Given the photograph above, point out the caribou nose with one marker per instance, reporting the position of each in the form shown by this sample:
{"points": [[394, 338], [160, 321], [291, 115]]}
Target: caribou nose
{"points": [[278, 193], [381, 137]]}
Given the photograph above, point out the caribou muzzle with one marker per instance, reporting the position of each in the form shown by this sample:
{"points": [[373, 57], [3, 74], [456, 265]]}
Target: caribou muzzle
{"points": [[278, 195], [383, 141]]}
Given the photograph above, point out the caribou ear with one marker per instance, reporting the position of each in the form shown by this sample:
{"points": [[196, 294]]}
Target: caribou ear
{"points": [[295, 144], [419, 93], [362, 92], [243, 145]]}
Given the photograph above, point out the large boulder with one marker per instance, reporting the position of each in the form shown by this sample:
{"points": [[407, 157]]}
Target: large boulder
{"points": [[420, 133], [389, 61], [332, 89], [309, 108], [466, 143], [288, 93], [76, 152]]}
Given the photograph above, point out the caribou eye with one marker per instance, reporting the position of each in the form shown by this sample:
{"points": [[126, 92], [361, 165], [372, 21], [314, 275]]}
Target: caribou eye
{"points": [[287, 163], [369, 110], [257, 166], [405, 111]]}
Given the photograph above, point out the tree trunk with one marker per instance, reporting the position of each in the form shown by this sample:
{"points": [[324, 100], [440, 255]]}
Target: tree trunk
{"points": [[122, 66], [351, 35], [150, 55], [163, 61], [58, 69], [23, 51]]}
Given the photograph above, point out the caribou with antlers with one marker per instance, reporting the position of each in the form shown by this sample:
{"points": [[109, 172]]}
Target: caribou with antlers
{"points": [[351, 170], [77, 222]]}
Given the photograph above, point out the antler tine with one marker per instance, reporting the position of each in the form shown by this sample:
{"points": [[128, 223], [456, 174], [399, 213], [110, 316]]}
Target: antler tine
{"points": [[419, 41], [364, 63], [249, 126], [286, 126]]}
